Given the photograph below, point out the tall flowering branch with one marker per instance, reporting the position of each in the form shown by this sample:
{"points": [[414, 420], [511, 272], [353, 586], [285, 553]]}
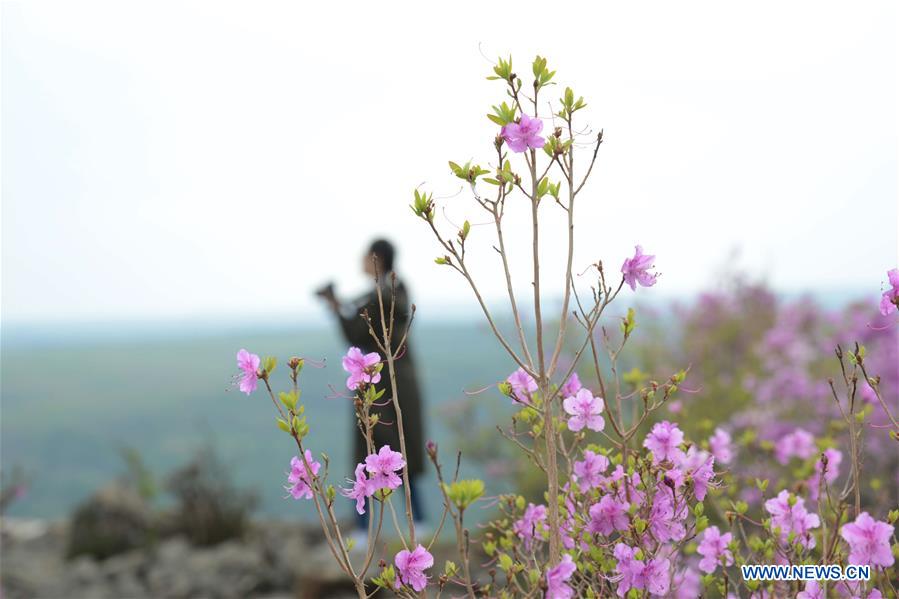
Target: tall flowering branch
{"points": [[635, 503]]}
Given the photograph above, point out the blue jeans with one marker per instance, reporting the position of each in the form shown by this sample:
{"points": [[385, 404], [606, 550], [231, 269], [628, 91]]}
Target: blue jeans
{"points": [[417, 514]]}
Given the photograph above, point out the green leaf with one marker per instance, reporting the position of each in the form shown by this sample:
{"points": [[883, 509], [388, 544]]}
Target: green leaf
{"points": [[269, 363], [464, 492]]}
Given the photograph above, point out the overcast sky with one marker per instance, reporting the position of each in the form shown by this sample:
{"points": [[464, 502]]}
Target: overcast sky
{"points": [[184, 159]]}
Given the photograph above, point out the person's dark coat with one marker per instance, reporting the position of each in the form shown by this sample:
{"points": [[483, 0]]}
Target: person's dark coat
{"points": [[356, 332]]}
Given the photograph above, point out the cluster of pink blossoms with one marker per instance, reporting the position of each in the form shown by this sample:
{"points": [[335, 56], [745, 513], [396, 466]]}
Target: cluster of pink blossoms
{"points": [[869, 541], [379, 472], [814, 590], [713, 549], [788, 514], [557, 578], [362, 368], [589, 472], [531, 526], [411, 566], [608, 515], [721, 446], [798, 444], [651, 575], [299, 484]]}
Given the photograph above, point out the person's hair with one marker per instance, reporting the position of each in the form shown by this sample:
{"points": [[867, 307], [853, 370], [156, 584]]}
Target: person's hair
{"points": [[385, 252]]}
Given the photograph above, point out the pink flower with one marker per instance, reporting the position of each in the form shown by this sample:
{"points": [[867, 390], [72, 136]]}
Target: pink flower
{"points": [[627, 489], [833, 457], [571, 386], [300, 486], [721, 446], [383, 467], [856, 590], [608, 515], [556, 578], [531, 524], [524, 134], [869, 541], [687, 584], [713, 548], [360, 490], [698, 465], [522, 384], [812, 590], [584, 410], [652, 575], [890, 299], [800, 444], [663, 441], [665, 520], [789, 515], [412, 566], [363, 368], [655, 577], [249, 365], [636, 270], [589, 470], [626, 567]]}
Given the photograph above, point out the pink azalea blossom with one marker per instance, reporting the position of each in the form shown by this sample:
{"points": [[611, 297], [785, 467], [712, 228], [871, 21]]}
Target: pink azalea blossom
{"points": [[626, 567], [800, 444], [249, 365], [713, 548], [626, 490], [812, 590], [411, 566], [608, 515], [530, 526], [636, 270], [571, 386], [522, 384], [721, 446], [663, 441], [698, 465], [557, 577], [363, 368], [589, 470], [632, 573], [855, 590], [524, 134], [584, 410], [869, 541], [890, 299], [666, 519], [300, 486], [655, 577], [792, 518], [361, 489], [687, 584], [834, 458], [382, 467]]}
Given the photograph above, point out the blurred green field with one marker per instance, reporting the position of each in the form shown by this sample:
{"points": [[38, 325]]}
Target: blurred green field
{"points": [[69, 403]]}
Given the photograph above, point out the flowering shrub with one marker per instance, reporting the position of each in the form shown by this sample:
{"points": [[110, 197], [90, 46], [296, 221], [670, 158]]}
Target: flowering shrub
{"points": [[635, 503]]}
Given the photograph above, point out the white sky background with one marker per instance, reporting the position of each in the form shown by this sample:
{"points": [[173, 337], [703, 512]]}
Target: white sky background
{"points": [[204, 160]]}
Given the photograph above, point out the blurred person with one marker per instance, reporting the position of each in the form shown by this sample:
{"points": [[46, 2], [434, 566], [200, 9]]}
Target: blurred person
{"points": [[378, 265]]}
